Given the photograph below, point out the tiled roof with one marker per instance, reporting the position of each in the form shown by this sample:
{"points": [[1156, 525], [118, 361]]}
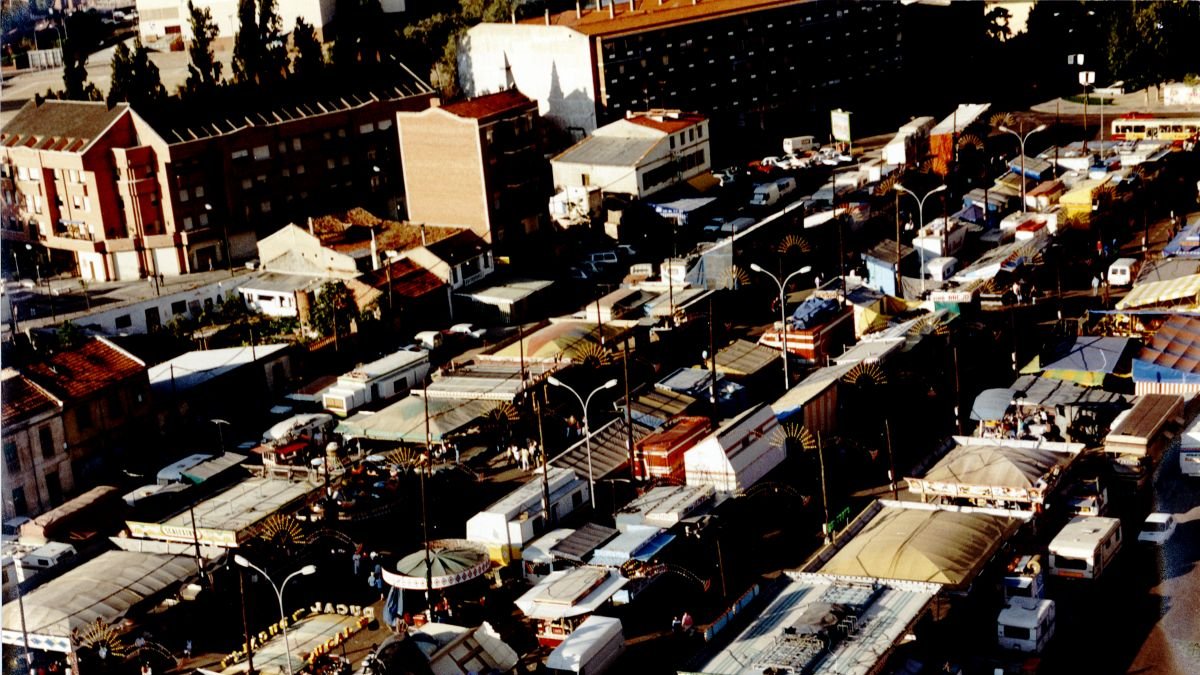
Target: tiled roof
{"points": [[649, 14], [409, 280], [483, 107], [666, 121], [21, 399], [61, 126], [85, 370]]}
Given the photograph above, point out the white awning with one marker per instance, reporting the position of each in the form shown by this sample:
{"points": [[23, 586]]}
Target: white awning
{"points": [[547, 600]]}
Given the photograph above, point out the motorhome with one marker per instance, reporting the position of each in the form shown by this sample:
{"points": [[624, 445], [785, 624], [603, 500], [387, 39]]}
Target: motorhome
{"points": [[382, 380], [1026, 625], [590, 650], [173, 473], [52, 556], [1085, 547], [1024, 578]]}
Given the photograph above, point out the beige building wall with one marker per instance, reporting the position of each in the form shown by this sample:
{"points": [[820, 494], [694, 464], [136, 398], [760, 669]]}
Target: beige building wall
{"points": [[443, 170]]}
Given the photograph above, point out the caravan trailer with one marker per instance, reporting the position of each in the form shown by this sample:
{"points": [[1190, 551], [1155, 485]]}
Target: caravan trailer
{"points": [[1025, 625], [1085, 547], [1189, 451], [590, 649]]}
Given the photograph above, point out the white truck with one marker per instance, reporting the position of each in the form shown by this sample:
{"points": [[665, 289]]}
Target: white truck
{"points": [[798, 144], [768, 194]]}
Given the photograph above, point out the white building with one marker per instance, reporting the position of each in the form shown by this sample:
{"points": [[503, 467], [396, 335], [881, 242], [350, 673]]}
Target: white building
{"points": [[163, 18], [639, 155], [737, 455]]}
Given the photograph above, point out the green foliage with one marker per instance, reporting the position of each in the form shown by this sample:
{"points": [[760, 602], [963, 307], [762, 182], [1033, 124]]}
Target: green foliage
{"points": [[309, 60], [69, 335], [135, 78], [259, 51], [1152, 42], [334, 306], [361, 41], [246, 47], [204, 71], [997, 23], [274, 66]]}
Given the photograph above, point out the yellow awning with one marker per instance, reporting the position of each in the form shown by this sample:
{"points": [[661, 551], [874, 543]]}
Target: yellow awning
{"points": [[704, 182], [1158, 292]]}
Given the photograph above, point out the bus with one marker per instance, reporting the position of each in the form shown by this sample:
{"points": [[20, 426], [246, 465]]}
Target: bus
{"points": [[1189, 450], [1134, 128]]}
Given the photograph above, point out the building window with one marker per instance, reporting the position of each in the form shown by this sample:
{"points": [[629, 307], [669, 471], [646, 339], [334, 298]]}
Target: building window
{"points": [[265, 206], [329, 163], [341, 133], [54, 488], [585, 179], [184, 195], [46, 440], [672, 142], [187, 222], [384, 125], [76, 201], [199, 191], [22, 173], [262, 152], [123, 321], [87, 203], [11, 459], [239, 154], [366, 128], [299, 169], [295, 143], [20, 508], [282, 147], [247, 183]]}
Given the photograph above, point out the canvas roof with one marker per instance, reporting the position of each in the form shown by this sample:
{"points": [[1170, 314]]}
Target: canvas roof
{"points": [[578, 545], [1040, 391], [565, 340], [608, 451], [938, 545], [404, 420], [1176, 346], [654, 407], [742, 357], [106, 588], [1085, 359], [999, 464], [1159, 292], [570, 593]]}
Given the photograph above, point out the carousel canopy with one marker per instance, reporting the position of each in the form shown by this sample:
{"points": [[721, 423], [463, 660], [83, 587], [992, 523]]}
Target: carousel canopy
{"points": [[451, 562]]}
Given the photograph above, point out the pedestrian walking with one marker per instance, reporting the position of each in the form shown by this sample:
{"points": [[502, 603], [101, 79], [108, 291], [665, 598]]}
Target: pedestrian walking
{"points": [[357, 559], [1095, 286], [524, 458], [371, 580], [187, 649]]}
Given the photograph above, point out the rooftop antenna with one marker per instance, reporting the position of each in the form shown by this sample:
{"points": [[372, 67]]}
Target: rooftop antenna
{"points": [[578, 10]]}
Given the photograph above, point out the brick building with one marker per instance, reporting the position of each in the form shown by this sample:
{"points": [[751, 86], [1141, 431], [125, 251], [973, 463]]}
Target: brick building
{"points": [[128, 198], [477, 164]]}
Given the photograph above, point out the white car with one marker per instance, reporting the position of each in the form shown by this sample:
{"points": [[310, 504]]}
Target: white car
{"points": [[467, 329], [1157, 529]]}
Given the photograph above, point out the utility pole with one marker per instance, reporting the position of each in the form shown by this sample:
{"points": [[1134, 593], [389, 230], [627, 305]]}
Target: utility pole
{"points": [[633, 477], [825, 529], [887, 431], [245, 620], [712, 353]]}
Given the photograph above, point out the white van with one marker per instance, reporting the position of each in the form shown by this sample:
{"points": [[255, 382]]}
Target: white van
{"points": [[590, 649], [1085, 547], [768, 194], [1123, 271], [1025, 625]]}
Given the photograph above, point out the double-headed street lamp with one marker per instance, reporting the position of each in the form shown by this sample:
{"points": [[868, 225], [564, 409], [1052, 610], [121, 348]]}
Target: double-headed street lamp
{"points": [[303, 571], [787, 380], [1022, 139], [921, 223], [587, 437]]}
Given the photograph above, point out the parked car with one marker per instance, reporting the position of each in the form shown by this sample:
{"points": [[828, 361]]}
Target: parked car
{"points": [[1157, 529], [626, 250], [466, 329], [579, 273], [602, 258], [726, 177], [429, 339]]}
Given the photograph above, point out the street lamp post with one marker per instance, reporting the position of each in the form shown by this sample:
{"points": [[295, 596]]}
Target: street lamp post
{"points": [[921, 222], [587, 437], [303, 571], [787, 380], [221, 431], [1022, 139]]}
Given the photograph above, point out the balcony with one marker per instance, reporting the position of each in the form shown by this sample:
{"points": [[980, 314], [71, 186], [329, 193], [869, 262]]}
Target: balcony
{"points": [[77, 231]]}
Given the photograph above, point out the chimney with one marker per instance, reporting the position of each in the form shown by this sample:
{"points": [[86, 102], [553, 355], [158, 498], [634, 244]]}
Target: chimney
{"points": [[597, 5], [612, 8], [514, 16], [310, 226], [435, 102], [423, 234], [547, 16], [631, 7], [578, 10], [374, 251]]}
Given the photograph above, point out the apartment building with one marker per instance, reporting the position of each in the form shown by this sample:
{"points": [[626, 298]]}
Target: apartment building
{"points": [[37, 473], [477, 164], [591, 65], [131, 198]]}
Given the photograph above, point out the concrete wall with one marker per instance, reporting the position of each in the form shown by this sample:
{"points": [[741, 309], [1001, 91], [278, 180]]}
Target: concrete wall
{"points": [[550, 64], [443, 170]]}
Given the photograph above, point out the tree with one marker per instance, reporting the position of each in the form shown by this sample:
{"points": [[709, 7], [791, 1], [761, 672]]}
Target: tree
{"points": [[135, 78], [69, 335], [274, 58], [997, 23], [83, 31], [334, 308], [361, 38], [247, 49], [1152, 42], [309, 60], [204, 72]]}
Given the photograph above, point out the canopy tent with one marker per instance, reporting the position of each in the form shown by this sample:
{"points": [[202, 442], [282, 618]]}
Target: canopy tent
{"points": [[913, 543], [54, 523], [991, 404], [213, 467], [1182, 291], [743, 358], [1085, 360], [607, 450], [1011, 470], [1173, 354], [450, 562], [565, 341], [404, 420], [571, 593], [107, 589]]}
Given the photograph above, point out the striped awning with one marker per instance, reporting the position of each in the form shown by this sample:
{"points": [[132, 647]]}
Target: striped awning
{"points": [[1158, 292]]}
